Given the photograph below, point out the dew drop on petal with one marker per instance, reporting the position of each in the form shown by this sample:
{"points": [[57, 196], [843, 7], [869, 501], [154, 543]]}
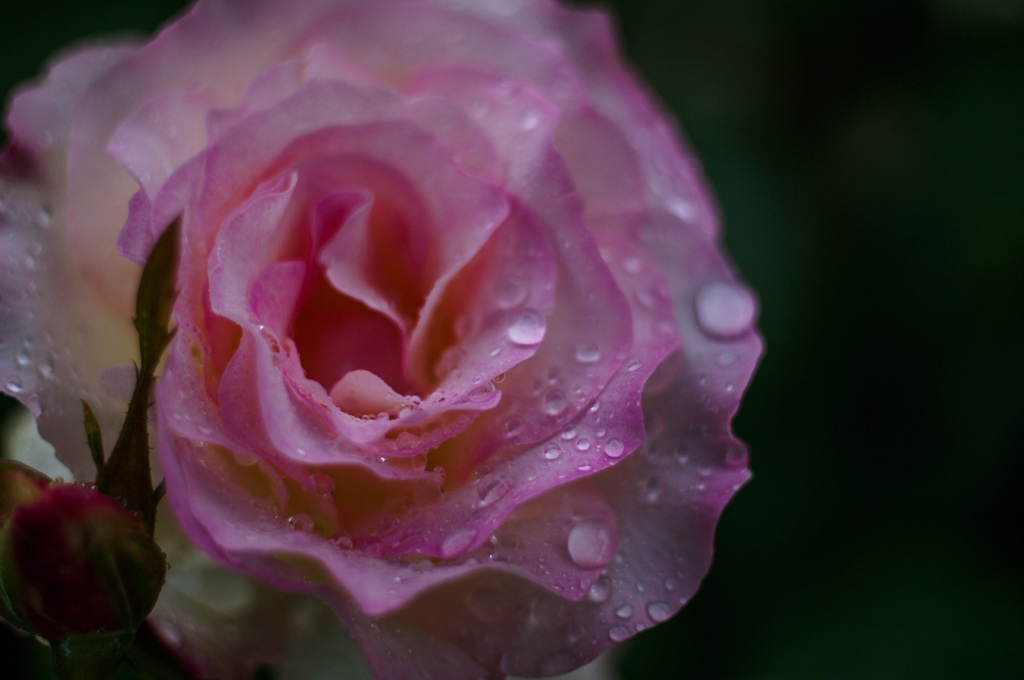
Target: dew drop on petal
{"points": [[592, 544], [618, 633], [492, 490], [725, 309], [613, 448], [509, 293], [301, 522], [601, 590], [624, 612], [588, 354], [659, 611], [528, 328], [457, 543], [13, 385], [552, 452], [582, 444], [554, 403]]}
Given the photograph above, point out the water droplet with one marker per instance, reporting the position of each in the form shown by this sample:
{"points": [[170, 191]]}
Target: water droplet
{"points": [[582, 444], [588, 354], [244, 459], [682, 455], [342, 541], [613, 448], [601, 590], [457, 543], [647, 297], [492, 490], [554, 403], [14, 385], [301, 522], [633, 366], [592, 543], [528, 328], [509, 293], [632, 264], [624, 612], [531, 119], [681, 208], [659, 611], [552, 452], [513, 426], [618, 633], [653, 490], [726, 359], [23, 358], [568, 432], [323, 484], [482, 393], [725, 309], [46, 367]]}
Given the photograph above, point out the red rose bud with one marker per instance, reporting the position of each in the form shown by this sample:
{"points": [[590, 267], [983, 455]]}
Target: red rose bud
{"points": [[74, 562]]}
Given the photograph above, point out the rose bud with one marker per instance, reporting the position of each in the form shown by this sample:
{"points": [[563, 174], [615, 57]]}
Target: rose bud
{"points": [[72, 561]]}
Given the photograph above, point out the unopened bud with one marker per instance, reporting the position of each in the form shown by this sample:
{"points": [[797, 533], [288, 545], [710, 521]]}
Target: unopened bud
{"points": [[72, 561]]}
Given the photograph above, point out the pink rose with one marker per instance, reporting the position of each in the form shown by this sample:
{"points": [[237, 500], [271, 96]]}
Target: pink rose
{"points": [[457, 349]]}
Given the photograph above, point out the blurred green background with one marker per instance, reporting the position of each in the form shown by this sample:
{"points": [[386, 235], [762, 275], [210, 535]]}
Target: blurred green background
{"points": [[869, 158]]}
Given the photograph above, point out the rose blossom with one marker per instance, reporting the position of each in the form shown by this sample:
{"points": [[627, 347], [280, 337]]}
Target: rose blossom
{"points": [[457, 349]]}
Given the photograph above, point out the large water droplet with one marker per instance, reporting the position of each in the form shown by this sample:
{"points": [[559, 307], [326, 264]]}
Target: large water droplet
{"points": [[614, 448], [457, 543], [528, 328], [624, 612], [725, 309], [659, 611], [592, 543]]}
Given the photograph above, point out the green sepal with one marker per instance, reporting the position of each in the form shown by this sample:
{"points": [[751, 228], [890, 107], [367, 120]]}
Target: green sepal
{"points": [[126, 474], [93, 435], [156, 295]]}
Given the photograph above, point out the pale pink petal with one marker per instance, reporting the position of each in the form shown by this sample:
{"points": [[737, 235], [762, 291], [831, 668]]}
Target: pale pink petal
{"points": [[160, 136], [55, 336], [40, 116]]}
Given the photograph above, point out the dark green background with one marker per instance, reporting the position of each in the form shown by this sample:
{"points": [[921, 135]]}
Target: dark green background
{"points": [[869, 158]]}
